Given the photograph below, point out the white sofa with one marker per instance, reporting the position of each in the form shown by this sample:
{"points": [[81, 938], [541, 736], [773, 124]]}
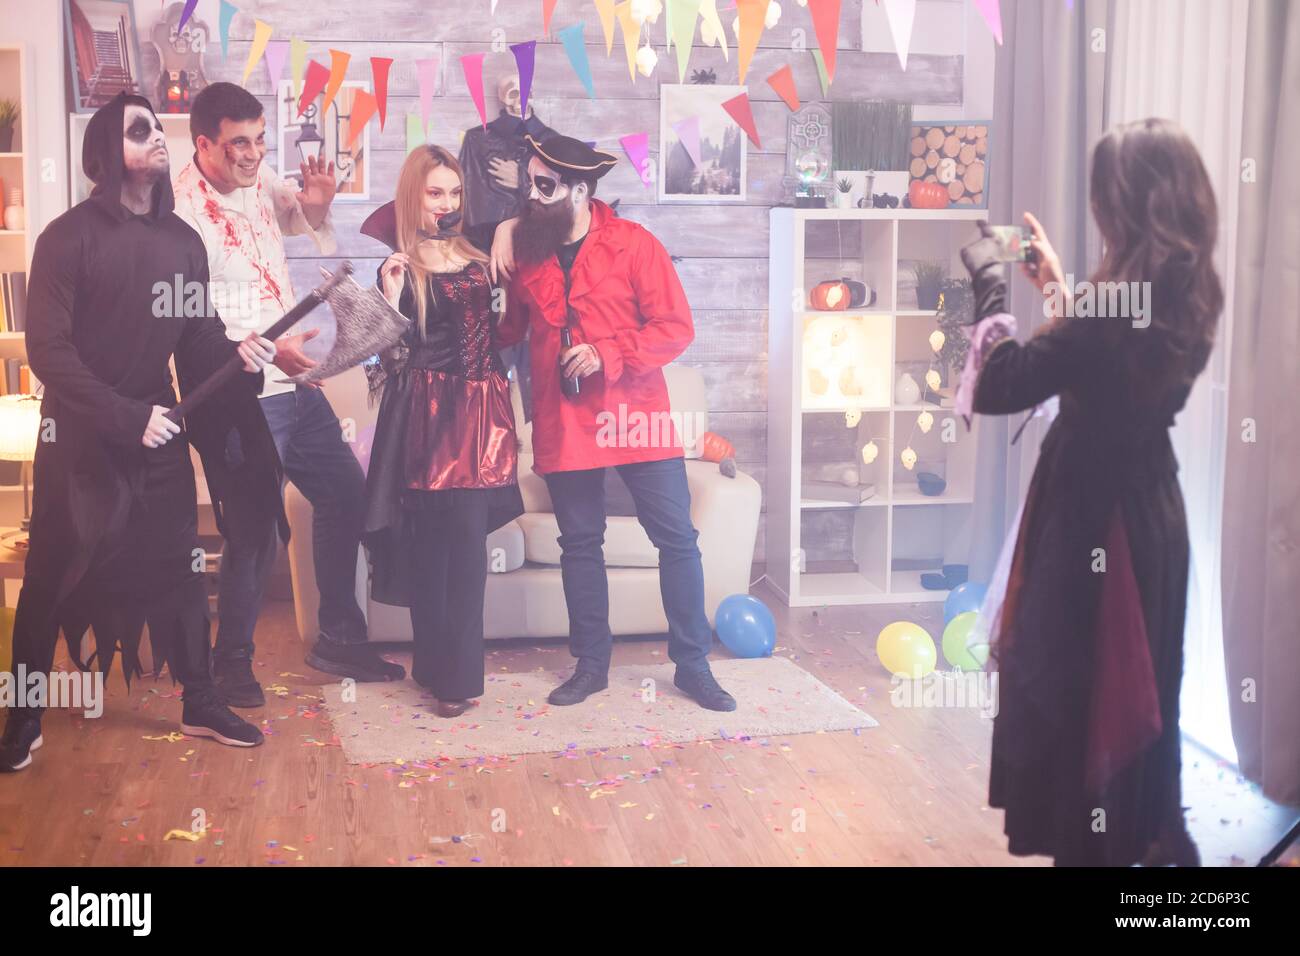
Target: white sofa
{"points": [[525, 596]]}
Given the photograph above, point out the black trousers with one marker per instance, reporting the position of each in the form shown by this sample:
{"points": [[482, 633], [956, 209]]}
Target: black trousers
{"points": [[449, 571]]}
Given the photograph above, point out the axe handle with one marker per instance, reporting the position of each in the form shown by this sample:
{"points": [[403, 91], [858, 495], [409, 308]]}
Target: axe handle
{"points": [[235, 365]]}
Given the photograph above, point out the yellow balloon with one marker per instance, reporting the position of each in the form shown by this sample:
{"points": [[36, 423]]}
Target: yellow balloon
{"points": [[906, 649]]}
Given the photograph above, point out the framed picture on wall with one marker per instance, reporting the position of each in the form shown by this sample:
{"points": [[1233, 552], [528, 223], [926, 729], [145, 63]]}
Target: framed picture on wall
{"points": [[701, 148], [308, 134], [952, 160], [103, 51]]}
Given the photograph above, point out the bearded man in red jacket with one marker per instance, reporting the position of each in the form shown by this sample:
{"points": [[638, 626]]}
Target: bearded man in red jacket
{"points": [[605, 311]]}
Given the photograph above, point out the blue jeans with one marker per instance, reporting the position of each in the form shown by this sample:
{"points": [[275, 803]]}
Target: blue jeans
{"points": [[322, 466], [663, 506]]}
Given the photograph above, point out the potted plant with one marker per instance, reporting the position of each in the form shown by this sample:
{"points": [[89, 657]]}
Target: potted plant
{"points": [[843, 193], [8, 119], [930, 276]]}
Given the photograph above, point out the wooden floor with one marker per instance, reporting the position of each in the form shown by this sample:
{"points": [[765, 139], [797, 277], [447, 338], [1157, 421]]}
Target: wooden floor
{"points": [[911, 791]]}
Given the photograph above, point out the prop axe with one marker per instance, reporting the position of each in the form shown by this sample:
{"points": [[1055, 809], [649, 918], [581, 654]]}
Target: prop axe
{"points": [[365, 325]]}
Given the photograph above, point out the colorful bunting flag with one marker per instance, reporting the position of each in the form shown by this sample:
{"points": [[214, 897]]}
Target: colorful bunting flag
{"points": [[525, 57], [363, 107], [822, 77], [606, 10], [688, 131], [548, 7], [186, 13], [427, 73], [379, 66], [261, 36], [414, 132], [991, 11], [472, 65], [826, 24], [338, 69], [783, 82], [631, 34], [709, 16], [738, 108], [637, 149], [576, 48], [752, 15], [317, 77], [297, 63], [901, 14], [227, 14], [276, 52], [682, 31]]}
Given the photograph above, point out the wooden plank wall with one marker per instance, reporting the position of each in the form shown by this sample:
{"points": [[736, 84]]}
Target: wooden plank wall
{"points": [[721, 248]]}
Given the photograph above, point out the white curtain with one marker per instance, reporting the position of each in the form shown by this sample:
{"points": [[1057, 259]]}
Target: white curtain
{"points": [[1185, 60]]}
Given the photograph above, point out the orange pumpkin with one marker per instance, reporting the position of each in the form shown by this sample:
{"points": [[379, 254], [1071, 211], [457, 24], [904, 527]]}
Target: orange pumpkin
{"points": [[927, 195], [830, 296], [713, 447]]}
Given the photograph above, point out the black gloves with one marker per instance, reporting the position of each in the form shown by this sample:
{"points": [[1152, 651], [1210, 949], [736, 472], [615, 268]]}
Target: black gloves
{"points": [[988, 277]]}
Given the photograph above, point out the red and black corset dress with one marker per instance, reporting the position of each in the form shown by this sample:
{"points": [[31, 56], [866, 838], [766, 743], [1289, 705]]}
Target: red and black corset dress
{"points": [[445, 434]]}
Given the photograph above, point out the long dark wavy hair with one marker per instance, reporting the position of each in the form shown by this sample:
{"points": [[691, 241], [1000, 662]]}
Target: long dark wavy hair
{"points": [[1155, 207]]}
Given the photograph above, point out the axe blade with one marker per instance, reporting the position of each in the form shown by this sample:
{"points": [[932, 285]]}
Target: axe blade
{"points": [[366, 325]]}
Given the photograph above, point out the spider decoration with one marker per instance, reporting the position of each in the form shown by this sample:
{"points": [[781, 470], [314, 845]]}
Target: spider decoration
{"points": [[703, 77]]}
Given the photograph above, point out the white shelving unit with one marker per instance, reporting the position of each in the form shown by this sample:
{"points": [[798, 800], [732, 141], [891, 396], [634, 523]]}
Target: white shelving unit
{"points": [[824, 365], [17, 168]]}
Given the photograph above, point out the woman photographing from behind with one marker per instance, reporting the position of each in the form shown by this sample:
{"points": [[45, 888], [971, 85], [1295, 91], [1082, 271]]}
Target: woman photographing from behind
{"points": [[1088, 641]]}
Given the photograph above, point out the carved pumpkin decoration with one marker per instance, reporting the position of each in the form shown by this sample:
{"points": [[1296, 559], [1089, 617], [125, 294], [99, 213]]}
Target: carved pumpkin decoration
{"points": [[831, 296], [713, 447]]}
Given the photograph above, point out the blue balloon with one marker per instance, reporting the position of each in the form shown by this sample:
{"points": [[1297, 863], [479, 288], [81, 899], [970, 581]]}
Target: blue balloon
{"points": [[967, 596], [746, 626]]}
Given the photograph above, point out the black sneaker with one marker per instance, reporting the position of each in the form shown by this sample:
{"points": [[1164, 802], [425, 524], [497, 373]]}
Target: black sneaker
{"points": [[22, 735], [578, 688], [703, 688], [361, 662], [237, 685], [204, 715]]}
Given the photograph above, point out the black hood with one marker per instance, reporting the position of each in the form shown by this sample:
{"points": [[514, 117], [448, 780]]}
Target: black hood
{"points": [[103, 161]]}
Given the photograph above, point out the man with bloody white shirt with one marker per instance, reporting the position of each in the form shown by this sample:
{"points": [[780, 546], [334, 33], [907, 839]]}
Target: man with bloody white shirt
{"points": [[242, 210]]}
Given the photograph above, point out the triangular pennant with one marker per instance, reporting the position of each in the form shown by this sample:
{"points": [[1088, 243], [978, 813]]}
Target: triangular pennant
{"points": [[711, 22], [576, 47], [427, 73], [783, 82], [379, 66], [548, 7], [605, 8], [317, 77], [991, 10], [363, 107], [525, 57], [637, 148], [472, 65], [414, 132], [631, 34], [494, 8], [186, 14], [227, 14], [688, 131], [752, 14], [338, 69], [822, 76], [261, 36], [738, 108], [276, 53], [682, 31], [826, 24], [297, 63], [901, 14]]}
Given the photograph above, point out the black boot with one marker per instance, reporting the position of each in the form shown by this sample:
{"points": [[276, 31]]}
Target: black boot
{"points": [[361, 662], [22, 735], [236, 683], [701, 686], [578, 688], [205, 715]]}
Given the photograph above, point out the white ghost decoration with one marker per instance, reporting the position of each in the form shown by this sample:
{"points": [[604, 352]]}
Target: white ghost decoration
{"points": [[646, 60]]}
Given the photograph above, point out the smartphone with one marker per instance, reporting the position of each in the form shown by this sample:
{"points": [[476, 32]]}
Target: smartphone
{"points": [[1013, 243]]}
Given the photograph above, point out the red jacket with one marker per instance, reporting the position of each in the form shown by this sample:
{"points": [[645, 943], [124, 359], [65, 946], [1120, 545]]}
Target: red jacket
{"points": [[630, 305]]}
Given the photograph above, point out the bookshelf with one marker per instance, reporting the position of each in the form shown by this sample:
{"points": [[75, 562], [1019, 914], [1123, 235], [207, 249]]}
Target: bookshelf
{"points": [[16, 170], [842, 529]]}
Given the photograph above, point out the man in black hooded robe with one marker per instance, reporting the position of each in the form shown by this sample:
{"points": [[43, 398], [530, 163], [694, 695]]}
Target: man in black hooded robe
{"points": [[114, 531]]}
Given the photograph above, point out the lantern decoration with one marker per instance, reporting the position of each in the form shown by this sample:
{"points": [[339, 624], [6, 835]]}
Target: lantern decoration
{"points": [[908, 457]]}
